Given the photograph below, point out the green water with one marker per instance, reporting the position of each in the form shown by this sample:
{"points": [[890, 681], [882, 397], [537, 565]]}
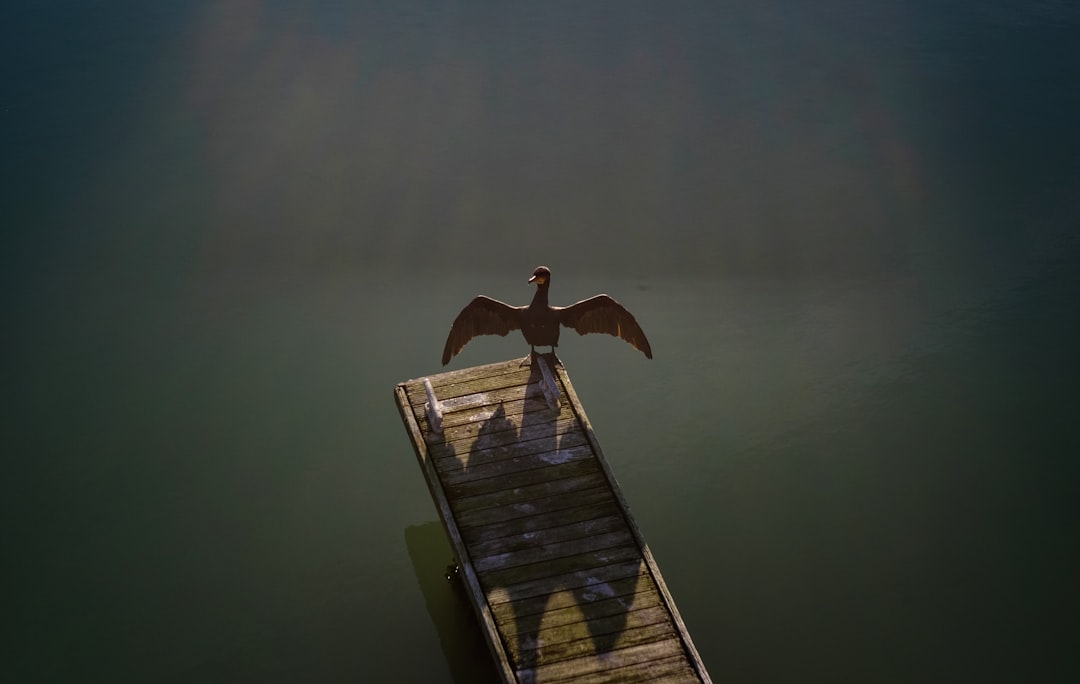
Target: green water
{"points": [[230, 229]]}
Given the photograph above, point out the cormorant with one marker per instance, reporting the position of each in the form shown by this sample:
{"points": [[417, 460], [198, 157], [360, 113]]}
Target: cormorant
{"points": [[539, 321]]}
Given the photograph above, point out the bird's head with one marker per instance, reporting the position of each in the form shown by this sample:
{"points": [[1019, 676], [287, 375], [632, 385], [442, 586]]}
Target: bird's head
{"points": [[541, 276]]}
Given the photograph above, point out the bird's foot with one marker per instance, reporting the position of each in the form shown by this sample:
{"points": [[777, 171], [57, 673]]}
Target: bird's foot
{"points": [[527, 361]]}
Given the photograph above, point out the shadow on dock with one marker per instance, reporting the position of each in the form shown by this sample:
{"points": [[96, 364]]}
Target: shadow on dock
{"points": [[598, 605]]}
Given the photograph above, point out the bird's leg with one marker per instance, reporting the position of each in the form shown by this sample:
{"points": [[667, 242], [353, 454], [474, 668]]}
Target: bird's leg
{"points": [[527, 361], [555, 359]]}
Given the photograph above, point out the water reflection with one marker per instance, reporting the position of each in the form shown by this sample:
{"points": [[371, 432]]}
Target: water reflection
{"points": [[455, 622]]}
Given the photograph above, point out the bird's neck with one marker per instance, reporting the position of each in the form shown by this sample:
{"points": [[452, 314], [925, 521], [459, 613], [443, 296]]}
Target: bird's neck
{"points": [[541, 296]]}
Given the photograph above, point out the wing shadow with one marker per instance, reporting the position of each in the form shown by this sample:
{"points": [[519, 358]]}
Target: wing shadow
{"points": [[604, 606]]}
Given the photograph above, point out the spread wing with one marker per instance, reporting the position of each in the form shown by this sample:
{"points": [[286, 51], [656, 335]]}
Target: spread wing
{"points": [[602, 314], [482, 316]]}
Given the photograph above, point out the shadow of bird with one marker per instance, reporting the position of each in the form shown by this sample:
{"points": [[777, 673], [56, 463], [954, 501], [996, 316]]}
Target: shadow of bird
{"points": [[539, 322]]}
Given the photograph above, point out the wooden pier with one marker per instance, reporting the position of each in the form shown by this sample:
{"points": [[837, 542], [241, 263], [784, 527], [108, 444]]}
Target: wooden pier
{"points": [[562, 581]]}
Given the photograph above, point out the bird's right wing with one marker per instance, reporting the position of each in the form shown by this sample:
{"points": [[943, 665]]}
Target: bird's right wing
{"points": [[482, 316], [602, 314]]}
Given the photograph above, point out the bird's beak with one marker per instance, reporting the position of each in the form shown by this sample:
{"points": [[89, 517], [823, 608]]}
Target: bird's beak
{"points": [[539, 279], [532, 279]]}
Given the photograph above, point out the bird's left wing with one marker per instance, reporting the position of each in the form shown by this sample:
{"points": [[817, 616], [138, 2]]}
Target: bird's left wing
{"points": [[602, 314], [482, 316]]}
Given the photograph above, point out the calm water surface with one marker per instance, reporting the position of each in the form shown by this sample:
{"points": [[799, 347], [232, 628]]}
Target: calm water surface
{"points": [[850, 232]]}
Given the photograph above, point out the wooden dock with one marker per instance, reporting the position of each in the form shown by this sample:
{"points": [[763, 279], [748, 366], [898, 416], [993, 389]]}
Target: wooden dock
{"points": [[562, 581]]}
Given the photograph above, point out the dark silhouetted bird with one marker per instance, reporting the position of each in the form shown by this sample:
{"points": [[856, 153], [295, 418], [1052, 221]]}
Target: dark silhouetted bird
{"points": [[539, 321]]}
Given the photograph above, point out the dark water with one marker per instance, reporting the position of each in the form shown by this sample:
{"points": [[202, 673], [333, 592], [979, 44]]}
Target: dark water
{"points": [[849, 229]]}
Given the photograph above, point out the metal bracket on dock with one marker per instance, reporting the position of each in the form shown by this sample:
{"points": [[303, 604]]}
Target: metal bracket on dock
{"points": [[547, 384], [433, 408]]}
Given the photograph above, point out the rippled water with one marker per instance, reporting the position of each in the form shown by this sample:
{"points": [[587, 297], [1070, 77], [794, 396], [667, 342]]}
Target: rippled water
{"points": [[849, 231]]}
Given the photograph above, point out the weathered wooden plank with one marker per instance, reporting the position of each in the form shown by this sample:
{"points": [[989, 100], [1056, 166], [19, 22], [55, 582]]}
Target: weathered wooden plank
{"points": [[553, 550], [596, 577], [517, 527], [450, 460], [566, 535], [497, 430], [517, 396], [569, 610], [528, 412], [548, 535], [592, 597], [514, 480], [491, 433], [523, 509], [525, 401], [473, 380], [577, 667], [476, 437], [535, 637], [535, 406], [558, 566], [472, 471], [510, 403], [528, 492], [457, 398], [587, 643], [671, 670]]}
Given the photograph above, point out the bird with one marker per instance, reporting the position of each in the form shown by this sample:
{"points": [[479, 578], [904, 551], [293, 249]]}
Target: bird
{"points": [[539, 322]]}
